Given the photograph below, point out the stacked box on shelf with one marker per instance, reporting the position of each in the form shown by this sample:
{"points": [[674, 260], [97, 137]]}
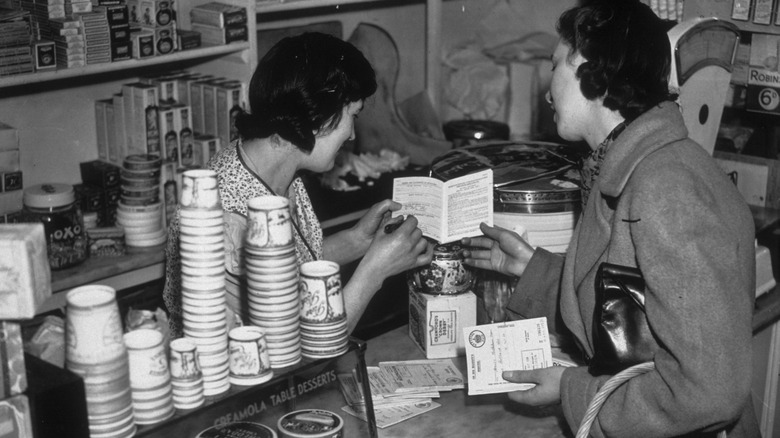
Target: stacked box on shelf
{"points": [[140, 106], [189, 157], [219, 23], [155, 19], [44, 55], [69, 43], [99, 191], [96, 36], [11, 183], [119, 31], [169, 137], [15, 37], [228, 107]]}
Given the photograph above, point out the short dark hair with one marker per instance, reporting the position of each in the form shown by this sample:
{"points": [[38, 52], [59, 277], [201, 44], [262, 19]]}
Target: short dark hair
{"points": [[302, 85], [627, 53]]}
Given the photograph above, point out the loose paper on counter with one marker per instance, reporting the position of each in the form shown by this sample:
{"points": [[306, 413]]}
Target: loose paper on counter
{"points": [[505, 346]]}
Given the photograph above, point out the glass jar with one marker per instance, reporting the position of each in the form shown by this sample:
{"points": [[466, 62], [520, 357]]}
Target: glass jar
{"points": [[54, 205], [445, 275]]}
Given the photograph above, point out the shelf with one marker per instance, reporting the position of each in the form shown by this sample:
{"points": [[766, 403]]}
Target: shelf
{"points": [[107, 67], [297, 5]]}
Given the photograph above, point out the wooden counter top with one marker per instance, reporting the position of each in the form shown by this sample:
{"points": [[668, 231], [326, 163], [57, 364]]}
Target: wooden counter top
{"points": [[461, 415], [98, 268]]}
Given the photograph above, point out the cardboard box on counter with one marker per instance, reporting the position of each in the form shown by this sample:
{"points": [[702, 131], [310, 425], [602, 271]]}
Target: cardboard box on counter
{"points": [[57, 400], [15, 418], [436, 322], [13, 377], [26, 280]]}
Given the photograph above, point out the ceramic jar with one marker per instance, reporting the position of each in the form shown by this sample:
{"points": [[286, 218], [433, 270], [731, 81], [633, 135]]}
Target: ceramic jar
{"points": [[445, 275]]}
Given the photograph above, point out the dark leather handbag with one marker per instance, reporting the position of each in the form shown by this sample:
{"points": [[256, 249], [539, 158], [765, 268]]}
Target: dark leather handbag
{"points": [[621, 335]]}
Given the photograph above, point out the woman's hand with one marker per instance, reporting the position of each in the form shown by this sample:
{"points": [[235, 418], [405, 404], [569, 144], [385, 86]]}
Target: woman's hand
{"points": [[368, 225], [547, 390], [351, 244], [399, 250], [499, 250]]}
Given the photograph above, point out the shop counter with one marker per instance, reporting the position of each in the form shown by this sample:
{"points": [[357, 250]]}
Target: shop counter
{"points": [[314, 386]]}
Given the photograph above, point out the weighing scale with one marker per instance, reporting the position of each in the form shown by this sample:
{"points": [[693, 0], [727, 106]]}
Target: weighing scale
{"points": [[703, 52]]}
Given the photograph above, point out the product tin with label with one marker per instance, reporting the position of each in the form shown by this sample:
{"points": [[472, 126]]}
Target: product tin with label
{"points": [[54, 204], [311, 423]]}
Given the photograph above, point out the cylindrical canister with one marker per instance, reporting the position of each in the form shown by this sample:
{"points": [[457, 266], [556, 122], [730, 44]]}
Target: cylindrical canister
{"points": [[54, 204]]}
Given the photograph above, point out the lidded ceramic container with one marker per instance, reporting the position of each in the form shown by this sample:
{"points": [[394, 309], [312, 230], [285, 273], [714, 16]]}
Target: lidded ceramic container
{"points": [[445, 275]]}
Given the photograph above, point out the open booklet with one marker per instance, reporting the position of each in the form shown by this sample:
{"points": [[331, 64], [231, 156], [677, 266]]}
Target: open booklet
{"points": [[447, 211]]}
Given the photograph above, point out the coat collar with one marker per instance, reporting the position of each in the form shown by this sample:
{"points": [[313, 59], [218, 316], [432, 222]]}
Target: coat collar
{"points": [[656, 128]]}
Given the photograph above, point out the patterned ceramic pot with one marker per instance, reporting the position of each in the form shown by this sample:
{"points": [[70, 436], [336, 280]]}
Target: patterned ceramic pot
{"points": [[445, 275]]}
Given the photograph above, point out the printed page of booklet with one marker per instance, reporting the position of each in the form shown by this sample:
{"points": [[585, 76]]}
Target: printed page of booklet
{"points": [[505, 346], [447, 211]]}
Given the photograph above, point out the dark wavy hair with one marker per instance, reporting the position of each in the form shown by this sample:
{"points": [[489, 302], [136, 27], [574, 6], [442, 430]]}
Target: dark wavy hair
{"points": [[627, 53], [301, 86]]}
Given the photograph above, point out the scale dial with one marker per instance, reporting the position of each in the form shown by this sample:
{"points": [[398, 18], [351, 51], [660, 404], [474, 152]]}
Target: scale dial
{"points": [[703, 43]]}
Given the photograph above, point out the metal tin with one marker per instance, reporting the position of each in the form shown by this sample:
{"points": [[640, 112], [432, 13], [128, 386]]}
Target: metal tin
{"points": [[311, 423], [55, 206], [238, 429], [445, 275], [529, 177], [469, 132]]}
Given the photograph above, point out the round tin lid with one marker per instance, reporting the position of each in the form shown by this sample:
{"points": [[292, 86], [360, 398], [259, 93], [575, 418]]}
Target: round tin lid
{"points": [[242, 429], [49, 195], [448, 251], [475, 130], [310, 423]]}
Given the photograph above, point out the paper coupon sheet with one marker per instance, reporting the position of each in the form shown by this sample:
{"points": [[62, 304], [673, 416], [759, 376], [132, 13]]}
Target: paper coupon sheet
{"points": [[505, 346], [425, 374], [389, 415]]}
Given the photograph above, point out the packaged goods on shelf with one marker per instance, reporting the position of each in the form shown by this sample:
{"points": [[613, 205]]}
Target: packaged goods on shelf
{"points": [[189, 156], [216, 36], [9, 160], [119, 130], [96, 36], [164, 39], [150, 13], [106, 242], [27, 281], [208, 145], [140, 114], [45, 57], [228, 106], [218, 14], [169, 137], [9, 137], [11, 202], [142, 44], [210, 106], [101, 127], [99, 173], [16, 55], [188, 39], [10, 181], [196, 103]]}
